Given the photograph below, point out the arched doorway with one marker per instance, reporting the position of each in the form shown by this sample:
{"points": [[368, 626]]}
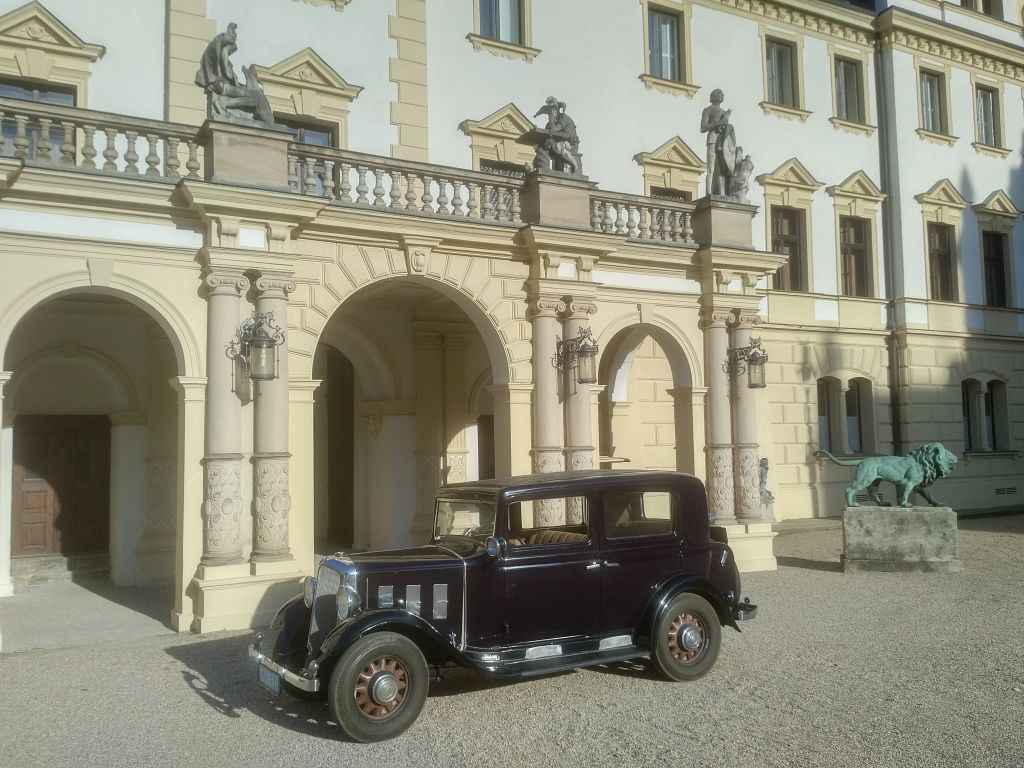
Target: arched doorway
{"points": [[90, 485], [650, 415], [403, 407]]}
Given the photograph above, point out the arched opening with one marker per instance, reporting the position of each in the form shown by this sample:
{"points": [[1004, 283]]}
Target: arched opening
{"points": [[403, 407], [90, 490], [649, 413]]}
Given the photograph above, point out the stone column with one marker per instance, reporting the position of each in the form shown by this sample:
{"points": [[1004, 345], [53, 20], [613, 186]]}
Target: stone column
{"points": [[455, 408], [841, 415], [579, 442], [222, 503], [190, 542], [6, 489], [271, 497], [744, 430], [429, 431], [547, 415], [718, 448]]}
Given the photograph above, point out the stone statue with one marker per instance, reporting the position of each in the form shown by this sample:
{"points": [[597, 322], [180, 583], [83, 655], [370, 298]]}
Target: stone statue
{"points": [[557, 143], [915, 472], [762, 476], [227, 100], [728, 168]]}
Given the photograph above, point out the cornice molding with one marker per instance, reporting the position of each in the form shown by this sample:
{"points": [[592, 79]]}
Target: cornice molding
{"points": [[840, 23]]}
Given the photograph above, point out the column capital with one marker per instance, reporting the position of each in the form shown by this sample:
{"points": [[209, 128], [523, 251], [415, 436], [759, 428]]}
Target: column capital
{"points": [[193, 388], [426, 340], [455, 342], [578, 308], [226, 282], [741, 319], [274, 286], [714, 318], [5, 376], [540, 305]]}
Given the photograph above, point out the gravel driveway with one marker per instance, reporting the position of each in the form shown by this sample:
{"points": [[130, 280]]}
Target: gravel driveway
{"points": [[837, 670]]}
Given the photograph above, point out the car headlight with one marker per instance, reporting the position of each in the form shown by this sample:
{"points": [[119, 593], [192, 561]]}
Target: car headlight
{"points": [[348, 602], [308, 590]]}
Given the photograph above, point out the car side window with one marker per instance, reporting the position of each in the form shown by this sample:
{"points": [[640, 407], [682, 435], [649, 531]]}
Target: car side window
{"points": [[554, 520], [629, 514]]}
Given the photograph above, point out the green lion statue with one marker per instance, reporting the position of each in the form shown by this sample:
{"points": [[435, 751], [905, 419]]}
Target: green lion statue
{"points": [[908, 473]]}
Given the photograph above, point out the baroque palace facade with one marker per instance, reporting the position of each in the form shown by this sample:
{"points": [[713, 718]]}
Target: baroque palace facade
{"points": [[425, 283]]}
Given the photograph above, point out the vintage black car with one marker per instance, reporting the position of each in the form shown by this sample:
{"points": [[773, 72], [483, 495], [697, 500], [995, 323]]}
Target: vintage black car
{"points": [[524, 576]]}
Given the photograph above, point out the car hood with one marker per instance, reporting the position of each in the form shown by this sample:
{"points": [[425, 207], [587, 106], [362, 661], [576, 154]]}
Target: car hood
{"points": [[448, 553]]}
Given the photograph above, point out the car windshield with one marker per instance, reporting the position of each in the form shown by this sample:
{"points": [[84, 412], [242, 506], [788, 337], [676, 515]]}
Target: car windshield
{"points": [[464, 517]]}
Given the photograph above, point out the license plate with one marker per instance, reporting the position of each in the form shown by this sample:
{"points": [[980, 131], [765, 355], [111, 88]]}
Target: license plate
{"points": [[268, 679]]}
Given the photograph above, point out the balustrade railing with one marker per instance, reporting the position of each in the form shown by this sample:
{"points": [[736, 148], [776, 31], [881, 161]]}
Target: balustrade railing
{"points": [[641, 218], [351, 178], [98, 141]]}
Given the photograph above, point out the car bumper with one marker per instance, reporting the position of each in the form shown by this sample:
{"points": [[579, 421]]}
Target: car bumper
{"points": [[744, 611], [293, 679]]}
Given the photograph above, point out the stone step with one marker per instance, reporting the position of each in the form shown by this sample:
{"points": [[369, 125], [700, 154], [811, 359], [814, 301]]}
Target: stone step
{"points": [[47, 569]]}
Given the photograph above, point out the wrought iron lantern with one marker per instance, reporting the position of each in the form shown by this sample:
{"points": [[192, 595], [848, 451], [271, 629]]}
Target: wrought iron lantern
{"points": [[255, 346], [579, 353], [750, 359]]}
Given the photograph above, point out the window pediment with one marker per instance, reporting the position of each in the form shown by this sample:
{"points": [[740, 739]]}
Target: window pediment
{"points": [[997, 204], [943, 194], [791, 184], [858, 185], [34, 26], [495, 137], [673, 165]]}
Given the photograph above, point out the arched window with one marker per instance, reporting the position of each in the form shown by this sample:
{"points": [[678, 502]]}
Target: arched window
{"points": [[845, 415], [985, 415]]}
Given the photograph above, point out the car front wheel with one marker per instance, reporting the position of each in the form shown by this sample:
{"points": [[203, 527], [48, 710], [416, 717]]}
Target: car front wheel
{"points": [[378, 687], [687, 638]]}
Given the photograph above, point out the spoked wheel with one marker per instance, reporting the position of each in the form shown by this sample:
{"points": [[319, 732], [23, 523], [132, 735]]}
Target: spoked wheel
{"points": [[379, 686], [687, 638]]}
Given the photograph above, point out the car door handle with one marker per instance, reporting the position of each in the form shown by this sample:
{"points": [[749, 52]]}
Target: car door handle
{"points": [[611, 565], [592, 566]]}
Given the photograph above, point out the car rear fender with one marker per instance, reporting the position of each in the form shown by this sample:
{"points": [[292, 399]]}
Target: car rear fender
{"points": [[433, 645], [685, 583]]}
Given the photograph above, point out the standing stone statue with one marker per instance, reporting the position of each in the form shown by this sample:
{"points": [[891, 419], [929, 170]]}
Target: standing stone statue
{"points": [[227, 100], [557, 143], [728, 168]]}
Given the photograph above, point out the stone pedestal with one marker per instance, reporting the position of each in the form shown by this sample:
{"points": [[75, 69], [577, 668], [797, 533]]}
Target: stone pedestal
{"points": [[244, 156], [554, 198], [752, 546], [900, 539]]}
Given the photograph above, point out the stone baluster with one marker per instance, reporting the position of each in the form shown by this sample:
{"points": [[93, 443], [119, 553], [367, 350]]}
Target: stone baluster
{"points": [[67, 145], [344, 187], [378, 187], [595, 215], [192, 164], [43, 144], [676, 229], [471, 204], [442, 195], [222, 503], [744, 429], [361, 188], [271, 494], [88, 147], [171, 160], [687, 228], [293, 173], [517, 212], [329, 179], [410, 191], [396, 190], [644, 228], [457, 199], [666, 224], [486, 201], [21, 136], [110, 153], [718, 422], [130, 155], [608, 223], [152, 158], [427, 198], [309, 179], [620, 222]]}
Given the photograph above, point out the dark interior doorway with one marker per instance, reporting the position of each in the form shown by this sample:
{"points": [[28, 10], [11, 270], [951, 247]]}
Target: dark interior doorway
{"points": [[339, 380]]}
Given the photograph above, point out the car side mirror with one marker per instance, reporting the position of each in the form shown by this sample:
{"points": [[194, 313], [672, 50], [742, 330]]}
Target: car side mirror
{"points": [[495, 547]]}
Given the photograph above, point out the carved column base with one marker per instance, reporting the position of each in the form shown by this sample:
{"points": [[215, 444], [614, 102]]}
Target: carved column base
{"points": [[272, 504], [548, 511], [577, 457], [455, 467], [548, 460], [222, 509], [747, 483], [720, 483]]}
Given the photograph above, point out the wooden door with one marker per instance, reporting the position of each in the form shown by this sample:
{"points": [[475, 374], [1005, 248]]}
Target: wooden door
{"points": [[61, 501]]}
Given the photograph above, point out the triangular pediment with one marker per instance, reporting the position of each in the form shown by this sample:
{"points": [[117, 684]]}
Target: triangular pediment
{"points": [[34, 26], [943, 193], [675, 153], [308, 69], [507, 121], [998, 204], [859, 185], [791, 173]]}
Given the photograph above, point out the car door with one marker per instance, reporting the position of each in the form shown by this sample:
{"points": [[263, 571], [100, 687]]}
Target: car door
{"points": [[551, 570], [639, 549]]}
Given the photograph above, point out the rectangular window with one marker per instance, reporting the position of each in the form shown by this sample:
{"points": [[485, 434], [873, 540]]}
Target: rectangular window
{"points": [[993, 245], [501, 20], [824, 416], [663, 43], [853, 426], [849, 91], [43, 93], [933, 102], [986, 108], [940, 262], [854, 255], [788, 240], [637, 513], [992, 8], [781, 63], [308, 132]]}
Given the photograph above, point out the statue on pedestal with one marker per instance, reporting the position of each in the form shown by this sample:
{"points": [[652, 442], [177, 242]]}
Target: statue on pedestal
{"points": [[227, 100], [557, 143], [729, 168]]}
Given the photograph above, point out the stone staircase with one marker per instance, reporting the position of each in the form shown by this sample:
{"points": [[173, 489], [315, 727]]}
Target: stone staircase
{"points": [[47, 569]]}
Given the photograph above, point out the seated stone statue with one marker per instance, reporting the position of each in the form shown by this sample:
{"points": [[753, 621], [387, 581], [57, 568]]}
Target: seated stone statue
{"points": [[228, 100]]}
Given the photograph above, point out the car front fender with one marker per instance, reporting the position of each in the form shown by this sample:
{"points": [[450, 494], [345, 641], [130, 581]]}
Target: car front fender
{"points": [[430, 641], [291, 623]]}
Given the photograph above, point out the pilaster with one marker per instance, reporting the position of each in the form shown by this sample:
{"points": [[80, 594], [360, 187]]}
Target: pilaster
{"points": [[429, 430], [6, 490], [455, 407]]}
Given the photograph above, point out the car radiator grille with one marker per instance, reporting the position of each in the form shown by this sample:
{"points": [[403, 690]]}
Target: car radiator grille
{"points": [[325, 606]]}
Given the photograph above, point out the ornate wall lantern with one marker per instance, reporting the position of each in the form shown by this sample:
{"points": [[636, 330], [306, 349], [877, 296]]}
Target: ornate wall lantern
{"points": [[255, 346], [581, 353], [750, 359]]}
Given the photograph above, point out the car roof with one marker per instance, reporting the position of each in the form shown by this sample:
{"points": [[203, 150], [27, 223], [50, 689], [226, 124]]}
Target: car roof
{"points": [[585, 478]]}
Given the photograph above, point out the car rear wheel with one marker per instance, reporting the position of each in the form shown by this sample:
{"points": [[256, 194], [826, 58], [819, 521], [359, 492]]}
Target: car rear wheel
{"points": [[378, 687], [687, 638]]}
